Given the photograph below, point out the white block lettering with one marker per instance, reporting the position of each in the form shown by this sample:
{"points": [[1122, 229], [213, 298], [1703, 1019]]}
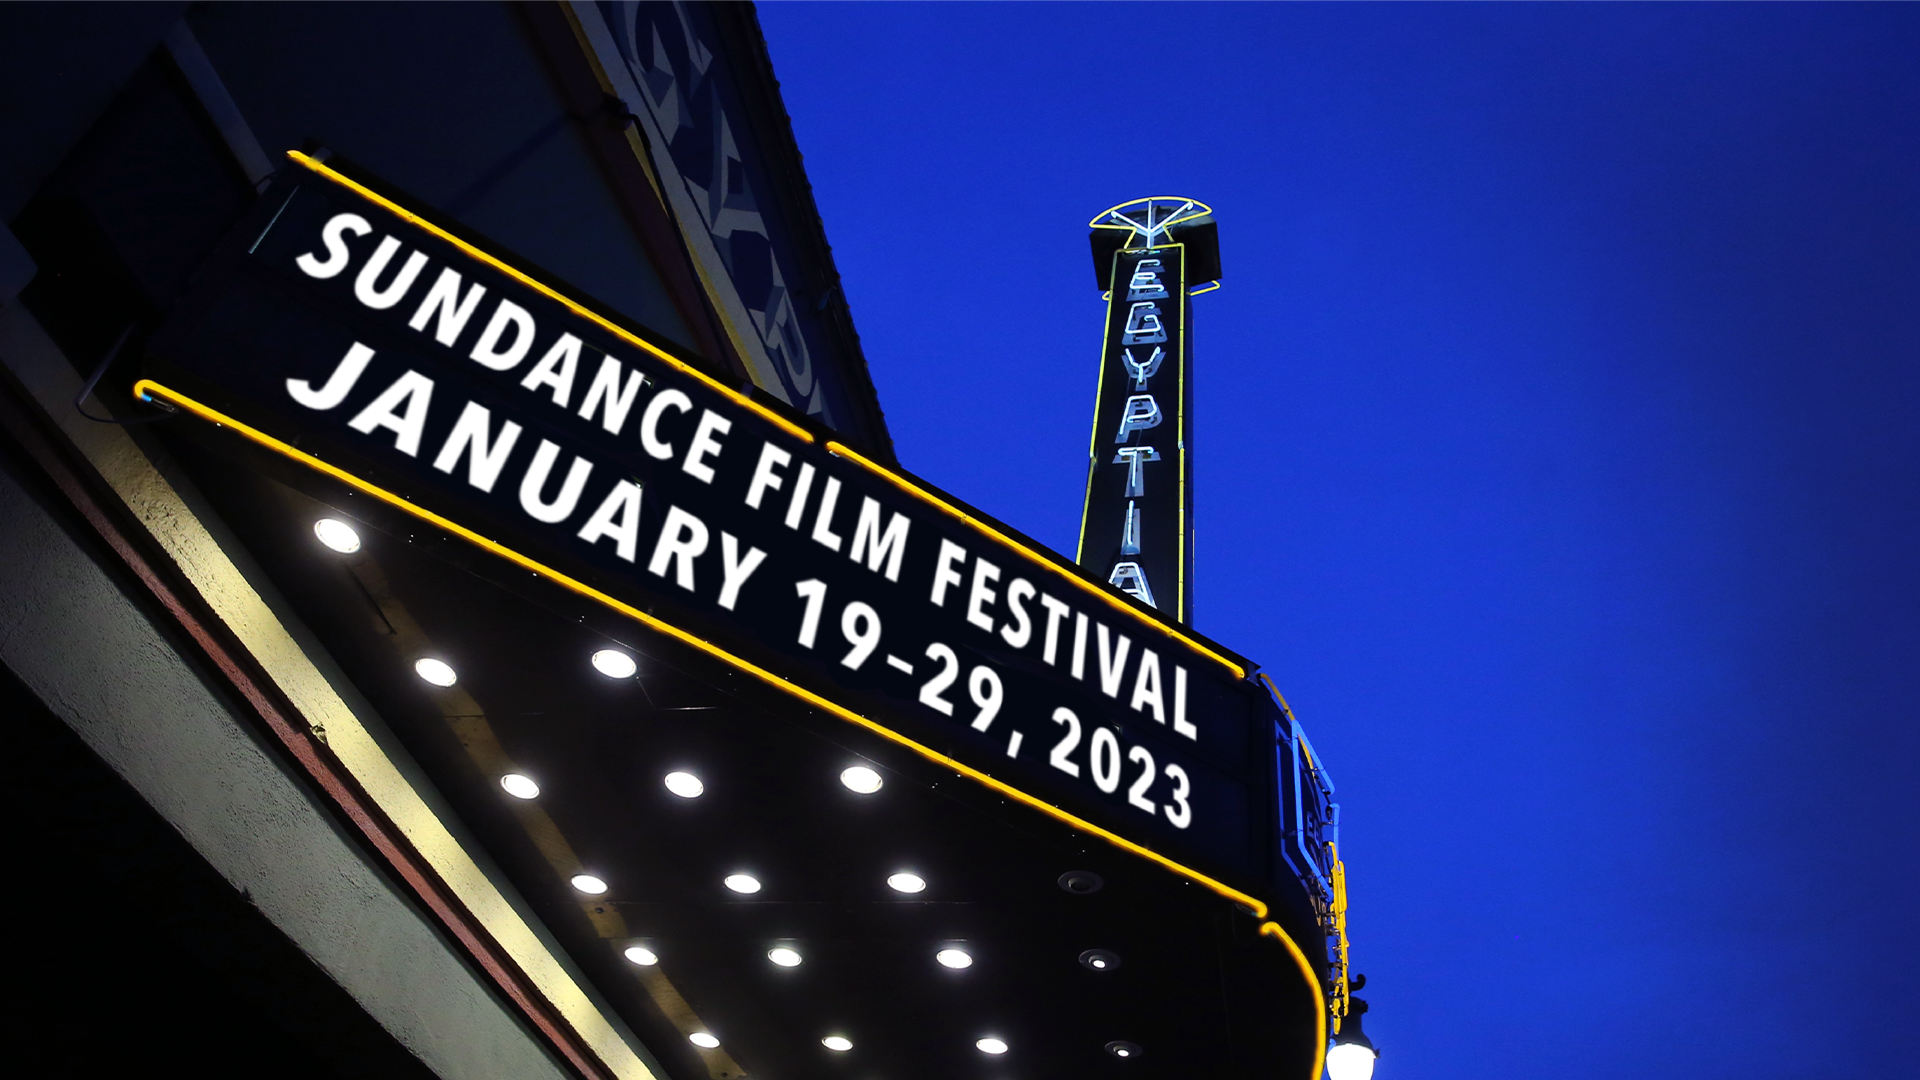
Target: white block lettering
{"points": [[487, 352], [410, 392], [1146, 686], [339, 384], [797, 506], [472, 436], [535, 482], [1020, 631], [982, 594], [735, 570], [618, 516], [867, 538], [365, 286], [1180, 723], [650, 420], [1056, 614], [682, 539], [613, 399], [765, 476], [332, 234], [1113, 661], [944, 574], [704, 445], [555, 370], [444, 299], [829, 500]]}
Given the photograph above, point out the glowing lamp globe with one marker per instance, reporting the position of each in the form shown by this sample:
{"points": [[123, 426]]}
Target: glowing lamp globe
{"points": [[1350, 1061]]}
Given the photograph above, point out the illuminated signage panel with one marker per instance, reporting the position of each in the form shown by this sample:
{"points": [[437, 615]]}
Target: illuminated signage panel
{"points": [[359, 339], [1135, 534]]}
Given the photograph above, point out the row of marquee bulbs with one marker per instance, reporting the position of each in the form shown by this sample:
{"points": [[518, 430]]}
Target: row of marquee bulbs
{"points": [[842, 1044], [706, 1040], [614, 664], [343, 538], [688, 786], [857, 778], [787, 956]]}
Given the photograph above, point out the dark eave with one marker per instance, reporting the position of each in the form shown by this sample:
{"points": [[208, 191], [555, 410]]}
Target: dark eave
{"points": [[772, 130]]}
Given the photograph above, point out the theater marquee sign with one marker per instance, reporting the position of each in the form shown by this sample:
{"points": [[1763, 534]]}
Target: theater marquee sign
{"points": [[362, 340]]}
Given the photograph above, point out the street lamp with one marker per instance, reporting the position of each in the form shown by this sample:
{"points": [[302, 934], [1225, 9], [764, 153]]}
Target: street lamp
{"points": [[1352, 1054]]}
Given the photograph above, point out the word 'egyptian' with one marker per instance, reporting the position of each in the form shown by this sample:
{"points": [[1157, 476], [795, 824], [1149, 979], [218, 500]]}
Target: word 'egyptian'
{"points": [[1141, 412]]}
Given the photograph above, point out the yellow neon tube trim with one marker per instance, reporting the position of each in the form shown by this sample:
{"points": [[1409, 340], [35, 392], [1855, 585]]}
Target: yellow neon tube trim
{"points": [[1186, 392], [1342, 988], [1320, 997], [147, 389], [682, 367], [841, 450], [1277, 696], [1202, 210]]}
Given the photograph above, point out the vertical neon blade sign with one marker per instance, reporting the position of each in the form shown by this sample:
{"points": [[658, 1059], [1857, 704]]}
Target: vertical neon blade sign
{"points": [[1135, 531]]}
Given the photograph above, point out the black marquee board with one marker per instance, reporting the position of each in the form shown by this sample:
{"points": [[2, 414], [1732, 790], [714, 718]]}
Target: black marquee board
{"points": [[359, 335]]}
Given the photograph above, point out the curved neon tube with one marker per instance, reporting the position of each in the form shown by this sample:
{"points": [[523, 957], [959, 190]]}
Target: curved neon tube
{"points": [[1319, 996]]}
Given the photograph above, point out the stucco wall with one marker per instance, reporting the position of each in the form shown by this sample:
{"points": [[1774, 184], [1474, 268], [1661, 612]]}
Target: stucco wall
{"points": [[103, 667]]}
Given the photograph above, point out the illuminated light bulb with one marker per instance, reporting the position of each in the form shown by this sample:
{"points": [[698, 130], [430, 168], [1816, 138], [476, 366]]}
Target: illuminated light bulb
{"points": [[784, 956], [907, 882], [837, 1043], [640, 954], [1352, 1055], [992, 1046], [861, 779], [703, 1040], [685, 784], [954, 958], [743, 883], [1350, 1061], [520, 787], [437, 672], [614, 664], [589, 884], [337, 535]]}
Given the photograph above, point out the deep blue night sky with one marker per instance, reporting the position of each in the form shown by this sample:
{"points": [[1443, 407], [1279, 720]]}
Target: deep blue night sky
{"points": [[1558, 447]]}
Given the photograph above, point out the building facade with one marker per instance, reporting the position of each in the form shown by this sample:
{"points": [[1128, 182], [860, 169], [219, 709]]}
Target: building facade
{"points": [[463, 615]]}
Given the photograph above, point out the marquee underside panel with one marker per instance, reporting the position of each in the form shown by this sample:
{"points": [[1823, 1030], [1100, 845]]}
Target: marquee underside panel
{"points": [[1187, 979]]}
